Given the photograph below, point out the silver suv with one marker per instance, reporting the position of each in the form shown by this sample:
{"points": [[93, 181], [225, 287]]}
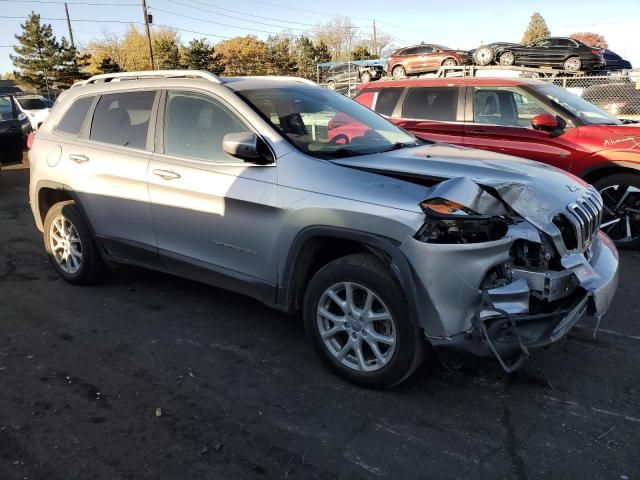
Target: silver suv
{"points": [[385, 244]]}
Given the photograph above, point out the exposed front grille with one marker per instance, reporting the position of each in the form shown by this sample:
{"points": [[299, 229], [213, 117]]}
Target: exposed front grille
{"points": [[585, 214]]}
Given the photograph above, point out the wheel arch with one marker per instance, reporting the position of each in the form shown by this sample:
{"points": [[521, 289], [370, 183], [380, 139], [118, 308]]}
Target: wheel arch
{"points": [[316, 246], [596, 172], [49, 193], [449, 57]]}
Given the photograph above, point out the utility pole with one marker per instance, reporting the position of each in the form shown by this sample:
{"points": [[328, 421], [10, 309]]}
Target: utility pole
{"points": [[375, 40], [66, 10], [146, 28]]}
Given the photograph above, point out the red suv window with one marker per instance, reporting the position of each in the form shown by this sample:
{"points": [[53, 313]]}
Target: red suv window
{"points": [[431, 103]]}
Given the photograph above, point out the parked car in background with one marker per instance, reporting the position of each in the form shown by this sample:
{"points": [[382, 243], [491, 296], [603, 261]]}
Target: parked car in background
{"points": [[620, 99], [35, 107], [486, 54], [14, 130], [422, 58], [382, 246], [613, 61], [526, 118], [556, 52], [349, 73]]}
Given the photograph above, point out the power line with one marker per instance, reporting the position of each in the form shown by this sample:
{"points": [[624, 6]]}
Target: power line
{"points": [[93, 4], [155, 9]]}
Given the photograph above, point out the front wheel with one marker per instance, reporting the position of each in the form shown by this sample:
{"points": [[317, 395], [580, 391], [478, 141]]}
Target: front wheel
{"points": [[357, 318], [70, 246], [331, 85], [483, 55], [507, 59], [621, 217], [449, 62]]}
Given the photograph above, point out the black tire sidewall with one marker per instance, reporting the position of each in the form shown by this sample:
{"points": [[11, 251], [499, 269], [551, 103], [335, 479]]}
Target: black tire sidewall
{"points": [[621, 179], [388, 290], [90, 267], [401, 69]]}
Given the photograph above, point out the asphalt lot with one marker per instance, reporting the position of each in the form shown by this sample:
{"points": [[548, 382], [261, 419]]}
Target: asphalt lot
{"points": [[242, 395]]}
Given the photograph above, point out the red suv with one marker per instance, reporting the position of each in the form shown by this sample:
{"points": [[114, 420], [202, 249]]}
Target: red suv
{"points": [[526, 118]]}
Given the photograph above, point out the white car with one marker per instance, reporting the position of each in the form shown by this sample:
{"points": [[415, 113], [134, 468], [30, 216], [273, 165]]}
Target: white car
{"points": [[35, 107]]}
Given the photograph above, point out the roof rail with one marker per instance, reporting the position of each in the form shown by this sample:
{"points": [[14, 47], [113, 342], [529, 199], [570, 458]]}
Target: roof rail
{"points": [[116, 77], [281, 78]]}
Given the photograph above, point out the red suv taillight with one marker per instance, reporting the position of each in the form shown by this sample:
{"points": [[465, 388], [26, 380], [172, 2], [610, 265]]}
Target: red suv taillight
{"points": [[30, 140]]}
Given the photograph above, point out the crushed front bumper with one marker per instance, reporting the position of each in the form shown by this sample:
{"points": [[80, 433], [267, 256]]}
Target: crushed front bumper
{"points": [[506, 322]]}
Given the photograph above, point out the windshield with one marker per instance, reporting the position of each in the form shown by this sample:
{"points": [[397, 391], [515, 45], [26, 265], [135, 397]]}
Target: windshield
{"points": [[33, 103], [325, 124], [585, 111]]}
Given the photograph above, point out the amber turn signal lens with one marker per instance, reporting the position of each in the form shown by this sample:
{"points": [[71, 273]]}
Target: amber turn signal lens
{"points": [[443, 207]]}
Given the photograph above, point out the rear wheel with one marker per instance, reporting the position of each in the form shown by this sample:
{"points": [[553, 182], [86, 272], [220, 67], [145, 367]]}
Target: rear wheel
{"points": [[70, 246], [331, 85], [507, 59], [572, 64], [398, 72], [621, 218], [357, 318], [365, 77]]}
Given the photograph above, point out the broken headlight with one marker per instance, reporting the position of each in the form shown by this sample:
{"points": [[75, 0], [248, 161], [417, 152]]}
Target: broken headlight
{"points": [[450, 222]]}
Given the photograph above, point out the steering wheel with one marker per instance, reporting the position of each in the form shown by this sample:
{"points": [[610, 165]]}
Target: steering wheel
{"points": [[340, 139]]}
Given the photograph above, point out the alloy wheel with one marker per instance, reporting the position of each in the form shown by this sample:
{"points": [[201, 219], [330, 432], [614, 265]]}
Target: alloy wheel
{"points": [[573, 64], [484, 56], [507, 58], [65, 244], [621, 217], [356, 327]]}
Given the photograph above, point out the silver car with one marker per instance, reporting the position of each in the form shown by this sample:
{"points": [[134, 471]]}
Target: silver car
{"points": [[311, 203]]}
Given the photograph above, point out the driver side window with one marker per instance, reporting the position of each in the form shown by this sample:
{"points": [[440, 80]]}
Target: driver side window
{"points": [[505, 107], [194, 126]]}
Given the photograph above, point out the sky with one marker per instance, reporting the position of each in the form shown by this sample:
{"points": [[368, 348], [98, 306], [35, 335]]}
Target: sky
{"points": [[463, 24]]}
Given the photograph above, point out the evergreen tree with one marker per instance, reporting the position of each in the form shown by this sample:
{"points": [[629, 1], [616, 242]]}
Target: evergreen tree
{"points": [[36, 55], [360, 53], [199, 55], [166, 53], [108, 65], [280, 58], [536, 30], [68, 68], [308, 55]]}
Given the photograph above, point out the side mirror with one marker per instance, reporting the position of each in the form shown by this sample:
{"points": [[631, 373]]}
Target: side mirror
{"points": [[549, 123], [246, 146]]}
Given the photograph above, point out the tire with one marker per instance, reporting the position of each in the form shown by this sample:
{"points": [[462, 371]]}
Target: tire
{"points": [[450, 62], [61, 222], [364, 275], [331, 85], [507, 59], [398, 72], [572, 64], [365, 77], [611, 189], [483, 55]]}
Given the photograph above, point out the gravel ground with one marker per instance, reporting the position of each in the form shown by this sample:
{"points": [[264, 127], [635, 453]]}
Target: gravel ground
{"points": [[152, 376]]}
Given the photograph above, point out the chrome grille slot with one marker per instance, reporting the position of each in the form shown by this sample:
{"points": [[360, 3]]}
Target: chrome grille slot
{"points": [[586, 215]]}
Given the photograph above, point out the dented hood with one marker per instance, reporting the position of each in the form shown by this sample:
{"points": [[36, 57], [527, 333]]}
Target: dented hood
{"points": [[534, 190]]}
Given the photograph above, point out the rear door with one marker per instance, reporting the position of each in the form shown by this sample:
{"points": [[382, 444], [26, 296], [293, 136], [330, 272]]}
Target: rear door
{"points": [[499, 119], [106, 158], [432, 113], [214, 214]]}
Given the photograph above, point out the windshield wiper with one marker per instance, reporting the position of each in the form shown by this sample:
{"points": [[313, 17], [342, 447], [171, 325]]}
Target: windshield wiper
{"points": [[399, 145]]}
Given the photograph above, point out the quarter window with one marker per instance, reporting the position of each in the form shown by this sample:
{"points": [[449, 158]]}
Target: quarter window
{"points": [[431, 103], [6, 108], [123, 119], [194, 126], [387, 100], [73, 119]]}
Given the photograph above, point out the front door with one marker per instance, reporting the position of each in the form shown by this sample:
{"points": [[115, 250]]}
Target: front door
{"points": [[214, 214], [499, 119], [10, 130], [432, 113]]}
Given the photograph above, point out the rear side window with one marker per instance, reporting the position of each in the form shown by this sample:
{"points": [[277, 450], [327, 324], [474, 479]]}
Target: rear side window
{"points": [[387, 100], [431, 103], [73, 119], [6, 108], [32, 103], [123, 119]]}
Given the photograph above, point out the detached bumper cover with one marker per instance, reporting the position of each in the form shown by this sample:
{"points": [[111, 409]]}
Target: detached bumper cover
{"points": [[500, 322]]}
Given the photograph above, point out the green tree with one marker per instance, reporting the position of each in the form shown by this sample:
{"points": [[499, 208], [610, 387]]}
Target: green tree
{"points": [[309, 55], [360, 53], [536, 30], [200, 55], [36, 55], [280, 58], [244, 56], [69, 65], [108, 65], [165, 50]]}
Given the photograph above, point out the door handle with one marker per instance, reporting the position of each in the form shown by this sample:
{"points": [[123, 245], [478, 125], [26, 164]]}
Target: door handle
{"points": [[78, 158], [479, 131], [167, 174]]}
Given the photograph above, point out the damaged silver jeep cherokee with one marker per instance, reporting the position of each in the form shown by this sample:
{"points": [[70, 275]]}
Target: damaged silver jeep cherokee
{"points": [[384, 242]]}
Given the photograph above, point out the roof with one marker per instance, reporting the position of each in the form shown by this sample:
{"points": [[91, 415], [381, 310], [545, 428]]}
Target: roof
{"points": [[447, 81], [376, 61]]}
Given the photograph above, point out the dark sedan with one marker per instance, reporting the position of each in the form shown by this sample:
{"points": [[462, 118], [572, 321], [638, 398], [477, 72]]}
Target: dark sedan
{"points": [[613, 61], [557, 52], [14, 129]]}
